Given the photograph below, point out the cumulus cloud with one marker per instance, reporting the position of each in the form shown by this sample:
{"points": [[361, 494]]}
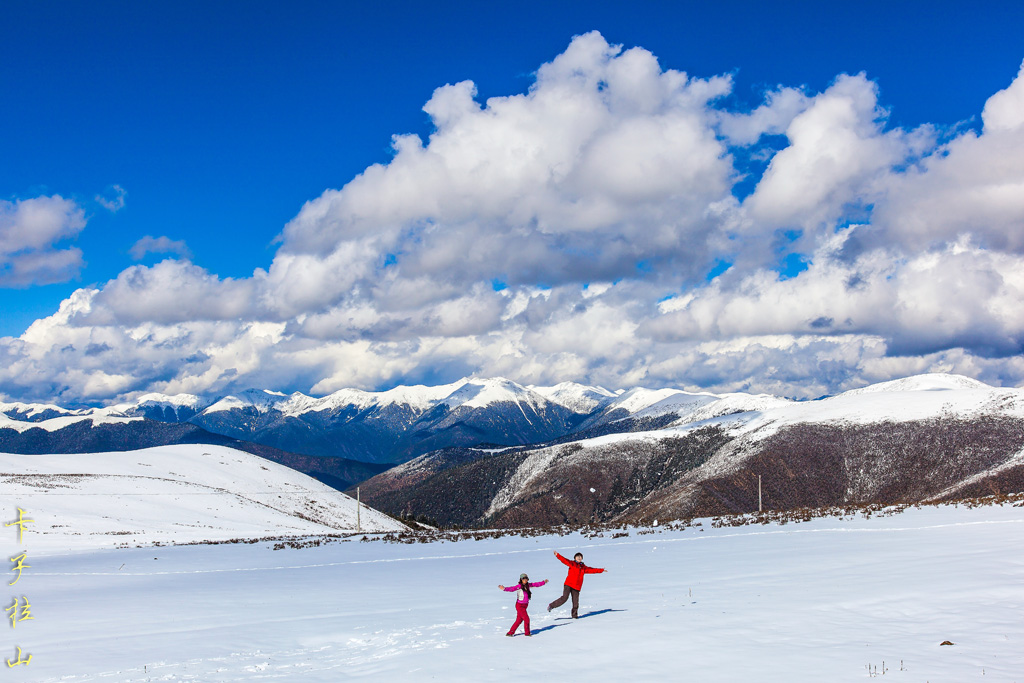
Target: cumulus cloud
{"points": [[607, 161], [33, 233], [159, 245], [958, 296], [169, 292], [571, 231], [972, 185], [837, 150], [771, 118]]}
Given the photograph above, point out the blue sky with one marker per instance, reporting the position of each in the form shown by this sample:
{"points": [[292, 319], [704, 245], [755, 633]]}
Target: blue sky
{"points": [[218, 121]]}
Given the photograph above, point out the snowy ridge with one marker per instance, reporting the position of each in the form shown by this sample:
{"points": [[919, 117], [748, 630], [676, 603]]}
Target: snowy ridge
{"points": [[481, 393], [407, 421], [732, 404], [679, 403], [419, 396], [929, 382], [262, 400], [300, 404], [56, 423], [578, 398], [915, 398], [173, 401], [30, 410], [635, 400], [172, 494]]}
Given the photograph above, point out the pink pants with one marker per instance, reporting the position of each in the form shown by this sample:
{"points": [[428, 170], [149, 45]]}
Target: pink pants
{"points": [[521, 618]]}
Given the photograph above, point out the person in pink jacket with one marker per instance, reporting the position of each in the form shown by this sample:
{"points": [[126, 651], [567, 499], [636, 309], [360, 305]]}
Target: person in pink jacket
{"points": [[522, 601]]}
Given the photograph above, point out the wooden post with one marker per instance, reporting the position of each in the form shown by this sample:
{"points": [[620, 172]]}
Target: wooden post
{"points": [[358, 505], [759, 493]]}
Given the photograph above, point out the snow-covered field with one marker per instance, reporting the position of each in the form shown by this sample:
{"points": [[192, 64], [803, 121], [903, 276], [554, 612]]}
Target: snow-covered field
{"points": [[827, 600], [171, 494]]}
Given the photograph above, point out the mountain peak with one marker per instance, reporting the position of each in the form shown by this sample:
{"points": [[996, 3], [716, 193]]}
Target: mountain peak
{"points": [[578, 398], [260, 399], [479, 393], [935, 381]]}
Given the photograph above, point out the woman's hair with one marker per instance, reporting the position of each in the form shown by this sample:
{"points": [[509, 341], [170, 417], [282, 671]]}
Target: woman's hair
{"points": [[526, 586]]}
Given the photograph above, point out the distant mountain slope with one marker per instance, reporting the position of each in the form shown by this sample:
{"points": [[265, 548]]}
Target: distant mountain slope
{"points": [[931, 437], [92, 434], [172, 494]]}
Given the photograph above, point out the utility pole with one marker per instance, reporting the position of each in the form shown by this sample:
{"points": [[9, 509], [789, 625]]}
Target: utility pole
{"points": [[358, 505]]}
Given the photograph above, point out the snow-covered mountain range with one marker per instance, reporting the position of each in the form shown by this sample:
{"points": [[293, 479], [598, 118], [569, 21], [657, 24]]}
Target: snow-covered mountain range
{"points": [[920, 438], [401, 423], [491, 451]]}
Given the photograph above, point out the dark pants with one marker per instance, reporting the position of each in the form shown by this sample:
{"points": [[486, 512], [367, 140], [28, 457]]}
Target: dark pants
{"points": [[565, 596]]}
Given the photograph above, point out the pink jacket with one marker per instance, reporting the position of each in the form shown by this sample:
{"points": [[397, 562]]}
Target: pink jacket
{"points": [[522, 597]]}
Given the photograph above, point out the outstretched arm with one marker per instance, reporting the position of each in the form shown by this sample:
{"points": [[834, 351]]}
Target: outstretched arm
{"points": [[561, 559], [508, 589], [538, 584], [593, 570]]}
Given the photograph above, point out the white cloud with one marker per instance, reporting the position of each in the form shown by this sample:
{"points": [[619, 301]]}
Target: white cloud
{"points": [[32, 234], [1004, 111], [837, 148], [972, 185], [771, 118], [159, 245], [169, 292], [960, 296], [607, 161], [596, 202], [117, 203]]}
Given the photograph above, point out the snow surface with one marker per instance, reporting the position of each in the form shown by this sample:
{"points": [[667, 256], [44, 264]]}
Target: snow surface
{"points": [[815, 601], [578, 398], [639, 398], [263, 400], [480, 393], [916, 398], [168, 400], [31, 409], [171, 494], [55, 423], [923, 397], [935, 381]]}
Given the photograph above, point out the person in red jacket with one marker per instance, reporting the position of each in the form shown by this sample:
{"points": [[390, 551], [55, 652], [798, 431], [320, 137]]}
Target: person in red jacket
{"points": [[573, 582]]}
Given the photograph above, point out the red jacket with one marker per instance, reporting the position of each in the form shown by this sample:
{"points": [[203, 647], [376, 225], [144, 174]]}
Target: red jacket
{"points": [[576, 572]]}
